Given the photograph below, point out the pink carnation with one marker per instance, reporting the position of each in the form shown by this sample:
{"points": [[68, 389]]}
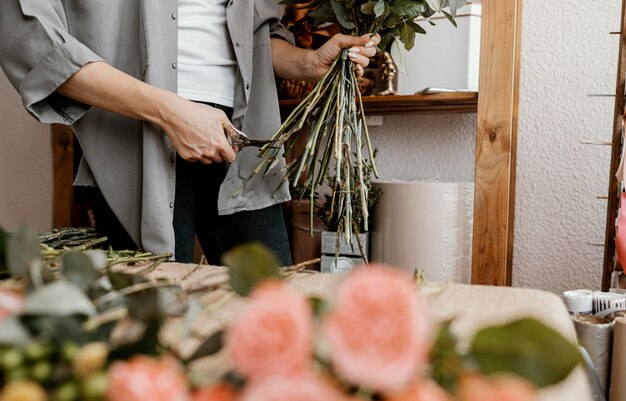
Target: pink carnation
{"points": [[304, 387], [142, 378], [11, 303], [273, 333], [219, 392], [496, 388], [425, 390], [378, 332]]}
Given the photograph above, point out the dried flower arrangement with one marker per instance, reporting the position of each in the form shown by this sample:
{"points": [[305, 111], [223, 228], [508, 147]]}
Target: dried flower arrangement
{"points": [[333, 110]]}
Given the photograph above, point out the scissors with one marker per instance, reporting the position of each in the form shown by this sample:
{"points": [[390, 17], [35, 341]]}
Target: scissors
{"points": [[238, 140]]}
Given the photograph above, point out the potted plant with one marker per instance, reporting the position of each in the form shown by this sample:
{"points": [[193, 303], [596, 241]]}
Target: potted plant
{"points": [[338, 253]]}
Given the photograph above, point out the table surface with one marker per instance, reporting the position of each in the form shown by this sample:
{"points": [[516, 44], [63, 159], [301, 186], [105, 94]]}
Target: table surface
{"points": [[471, 306]]}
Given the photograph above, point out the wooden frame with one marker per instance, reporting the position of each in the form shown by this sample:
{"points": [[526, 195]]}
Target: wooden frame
{"points": [[616, 152], [496, 141]]}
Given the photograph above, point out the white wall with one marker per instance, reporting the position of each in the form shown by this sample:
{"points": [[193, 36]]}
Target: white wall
{"points": [[25, 165], [567, 53]]}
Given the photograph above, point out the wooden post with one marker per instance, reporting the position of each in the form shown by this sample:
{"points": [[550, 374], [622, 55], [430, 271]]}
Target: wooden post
{"points": [[63, 170], [613, 201], [496, 141]]}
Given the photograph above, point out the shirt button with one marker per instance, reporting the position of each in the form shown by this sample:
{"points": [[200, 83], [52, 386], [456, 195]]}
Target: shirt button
{"points": [[247, 86], [237, 44], [231, 3], [174, 65], [173, 15], [171, 205]]}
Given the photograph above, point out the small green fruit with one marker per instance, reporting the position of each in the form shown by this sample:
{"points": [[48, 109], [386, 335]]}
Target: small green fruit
{"points": [[94, 387], [41, 371], [67, 391], [11, 359]]}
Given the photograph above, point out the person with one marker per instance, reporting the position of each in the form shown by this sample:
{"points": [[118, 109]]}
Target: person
{"points": [[147, 87]]}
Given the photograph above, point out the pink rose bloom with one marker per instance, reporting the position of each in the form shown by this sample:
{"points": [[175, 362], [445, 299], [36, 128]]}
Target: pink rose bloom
{"points": [[476, 387], [304, 387], [142, 378], [273, 333], [424, 390], [11, 303], [378, 333], [219, 392]]}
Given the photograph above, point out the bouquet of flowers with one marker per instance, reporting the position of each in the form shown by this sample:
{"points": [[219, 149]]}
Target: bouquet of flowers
{"points": [[333, 110], [91, 334]]}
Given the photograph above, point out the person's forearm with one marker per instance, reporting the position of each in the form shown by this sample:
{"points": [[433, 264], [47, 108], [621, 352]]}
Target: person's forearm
{"points": [[194, 129], [291, 62], [101, 85]]}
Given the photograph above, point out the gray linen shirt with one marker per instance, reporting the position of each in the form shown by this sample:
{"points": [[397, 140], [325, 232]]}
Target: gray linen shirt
{"points": [[44, 42]]}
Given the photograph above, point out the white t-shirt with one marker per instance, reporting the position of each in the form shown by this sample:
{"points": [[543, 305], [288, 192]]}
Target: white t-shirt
{"points": [[206, 59]]}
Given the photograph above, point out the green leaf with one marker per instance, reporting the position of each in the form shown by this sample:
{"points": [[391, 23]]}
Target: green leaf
{"points": [[144, 305], [435, 5], [446, 361], [398, 56], [60, 298], [455, 5], [324, 13], [527, 348], [343, 15], [379, 8], [13, 333], [416, 27], [450, 18], [250, 264], [120, 281], [23, 252], [210, 346], [57, 328], [407, 8], [78, 269], [407, 36]]}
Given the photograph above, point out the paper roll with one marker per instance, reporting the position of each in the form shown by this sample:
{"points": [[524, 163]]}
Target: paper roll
{"points": [[579, 302], [596, 335], [426, 226], [618, 366]]}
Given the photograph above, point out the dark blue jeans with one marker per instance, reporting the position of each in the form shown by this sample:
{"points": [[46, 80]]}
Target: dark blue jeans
{"points": [[196, 213]]}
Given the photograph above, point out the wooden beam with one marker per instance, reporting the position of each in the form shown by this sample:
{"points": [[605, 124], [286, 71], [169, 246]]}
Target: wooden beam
{"points": [[496, 141], [613, 201], [63, 170]]}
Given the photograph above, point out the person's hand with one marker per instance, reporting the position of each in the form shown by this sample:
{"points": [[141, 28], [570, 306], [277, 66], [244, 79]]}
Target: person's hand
{"points": [[361, 48], [197, 131]]}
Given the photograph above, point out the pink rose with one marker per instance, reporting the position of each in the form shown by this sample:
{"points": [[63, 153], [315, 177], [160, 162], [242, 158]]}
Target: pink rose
{"points": [[304, 387], [273, 333], [142, 378], [424, 390], [476, 387], [11, 303], [219, 392], [378, 333]]}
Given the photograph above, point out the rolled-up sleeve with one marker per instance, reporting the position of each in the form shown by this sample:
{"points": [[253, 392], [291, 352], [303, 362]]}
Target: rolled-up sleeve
{"points": [[38, 54], [277, 29]]}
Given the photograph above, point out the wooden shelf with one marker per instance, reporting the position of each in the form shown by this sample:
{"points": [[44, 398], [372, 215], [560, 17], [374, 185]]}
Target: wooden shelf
{"points": [[454, 102]]}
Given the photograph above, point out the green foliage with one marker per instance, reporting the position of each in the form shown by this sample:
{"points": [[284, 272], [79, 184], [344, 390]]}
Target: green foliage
{"points": [[210, 346], [447, 363], [392, 19], [527, 348], [249, 265], [78, 269]]}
